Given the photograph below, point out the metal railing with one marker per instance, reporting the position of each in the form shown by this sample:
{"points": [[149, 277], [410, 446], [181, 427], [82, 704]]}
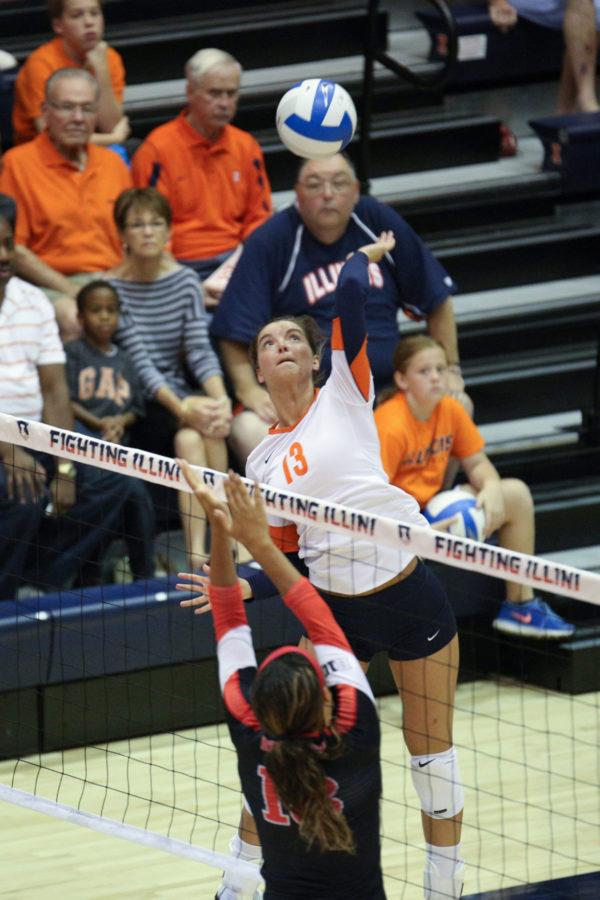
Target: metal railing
{"points": [[429, 81]]}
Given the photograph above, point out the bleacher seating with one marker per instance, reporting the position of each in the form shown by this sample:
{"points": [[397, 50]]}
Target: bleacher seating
{"points": [[488, 55], [528, 334]]}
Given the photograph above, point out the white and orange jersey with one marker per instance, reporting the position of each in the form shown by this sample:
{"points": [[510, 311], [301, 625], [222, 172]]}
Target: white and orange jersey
{"points": [[333, 453]]}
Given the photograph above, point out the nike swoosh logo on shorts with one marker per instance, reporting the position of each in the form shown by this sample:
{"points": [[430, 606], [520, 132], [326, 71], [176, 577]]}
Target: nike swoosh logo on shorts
{"points": [[435, 634], [422, 765], [525, 618]]}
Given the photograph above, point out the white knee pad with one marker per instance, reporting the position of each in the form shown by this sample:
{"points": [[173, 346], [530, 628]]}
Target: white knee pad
{"points": [[437, 781]]}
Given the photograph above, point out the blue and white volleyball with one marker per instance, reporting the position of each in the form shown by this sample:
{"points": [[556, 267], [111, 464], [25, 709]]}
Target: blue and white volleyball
{"points": [[460, 505], [316, 118]]}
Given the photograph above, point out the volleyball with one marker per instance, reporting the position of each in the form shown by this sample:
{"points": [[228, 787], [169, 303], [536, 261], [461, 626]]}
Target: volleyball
{"points": [[469, 521], [316, 118]]}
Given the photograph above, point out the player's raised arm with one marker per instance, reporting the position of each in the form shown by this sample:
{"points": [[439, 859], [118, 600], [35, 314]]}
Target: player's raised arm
{"points": [[349, 332]]}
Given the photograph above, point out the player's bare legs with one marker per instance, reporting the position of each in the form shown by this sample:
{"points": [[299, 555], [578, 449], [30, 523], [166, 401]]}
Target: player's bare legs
{"points": [[577, 90], [427, 688]]}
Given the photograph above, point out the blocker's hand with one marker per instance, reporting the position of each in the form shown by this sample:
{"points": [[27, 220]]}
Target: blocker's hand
{"points": [[195, 582]]}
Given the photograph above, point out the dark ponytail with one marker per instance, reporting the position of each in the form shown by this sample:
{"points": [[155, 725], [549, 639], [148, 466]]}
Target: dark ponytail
{"points": [[288, 702]]}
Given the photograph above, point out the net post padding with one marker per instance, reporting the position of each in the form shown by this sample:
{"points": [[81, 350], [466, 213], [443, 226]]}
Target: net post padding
{"points": [[246, 873], [463, 553]]}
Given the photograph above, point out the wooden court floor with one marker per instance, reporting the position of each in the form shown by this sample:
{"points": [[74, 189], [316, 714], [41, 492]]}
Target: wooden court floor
{"points": [[530, 761]]}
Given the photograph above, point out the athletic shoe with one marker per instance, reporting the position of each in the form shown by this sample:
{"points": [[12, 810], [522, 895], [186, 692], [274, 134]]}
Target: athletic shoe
{"points": [[534, 618]]}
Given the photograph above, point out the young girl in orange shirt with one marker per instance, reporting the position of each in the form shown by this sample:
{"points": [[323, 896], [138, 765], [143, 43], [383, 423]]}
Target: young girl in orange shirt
{"points": [[420, 427]]}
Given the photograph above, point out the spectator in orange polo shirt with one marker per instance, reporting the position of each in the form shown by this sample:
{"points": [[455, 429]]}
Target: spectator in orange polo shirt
{"points": [[79, 29], [212, 173], [65, 189]]}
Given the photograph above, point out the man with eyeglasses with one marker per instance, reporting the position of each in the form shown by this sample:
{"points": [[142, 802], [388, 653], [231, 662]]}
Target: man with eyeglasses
{"points": [[65, 188], [290, 266]]}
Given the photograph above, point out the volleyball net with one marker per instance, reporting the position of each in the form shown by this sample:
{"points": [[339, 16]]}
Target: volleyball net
{"points": [[110, 714]]}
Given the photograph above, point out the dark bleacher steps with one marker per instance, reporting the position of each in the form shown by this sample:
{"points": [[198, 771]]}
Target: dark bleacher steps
{"points": [[404, 143], [520, 256], [257, 35], [149, 106]]}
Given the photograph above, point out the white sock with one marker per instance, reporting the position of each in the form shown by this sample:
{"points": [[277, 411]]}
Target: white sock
{"points": [[232, 885], [444, 872], [445, 859]]}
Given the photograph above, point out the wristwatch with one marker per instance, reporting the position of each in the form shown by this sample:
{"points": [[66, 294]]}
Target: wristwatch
{"points": [[67, 469]]}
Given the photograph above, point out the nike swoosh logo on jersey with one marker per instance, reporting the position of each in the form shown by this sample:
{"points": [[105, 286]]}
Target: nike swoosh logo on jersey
{"points": [[525, 618], [435, 634], [269, 456]]}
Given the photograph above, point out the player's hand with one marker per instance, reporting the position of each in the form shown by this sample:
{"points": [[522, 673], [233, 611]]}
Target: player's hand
{"points": [[216, 510], [25, 476], [491, 501], [258, 401], [503, 14], [249, 523], [383, 245], [195, 582], [96, 59]]}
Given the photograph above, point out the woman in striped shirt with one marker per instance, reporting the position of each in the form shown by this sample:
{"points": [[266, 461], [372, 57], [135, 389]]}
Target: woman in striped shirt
{"points": [[164, 328]]}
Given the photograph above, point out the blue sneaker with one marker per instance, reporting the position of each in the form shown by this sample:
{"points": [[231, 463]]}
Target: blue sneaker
{"points": [[534, 618]]}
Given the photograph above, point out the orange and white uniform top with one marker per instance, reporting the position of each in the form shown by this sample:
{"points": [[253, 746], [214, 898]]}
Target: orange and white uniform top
{"points": [[333, 454]]}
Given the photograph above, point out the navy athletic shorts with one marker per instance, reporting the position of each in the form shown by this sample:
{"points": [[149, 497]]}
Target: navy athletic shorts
{"points": [[411, 619]]}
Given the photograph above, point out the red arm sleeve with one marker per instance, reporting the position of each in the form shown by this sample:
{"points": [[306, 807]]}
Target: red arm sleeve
{"points": [[227, 608], [312, 611]]}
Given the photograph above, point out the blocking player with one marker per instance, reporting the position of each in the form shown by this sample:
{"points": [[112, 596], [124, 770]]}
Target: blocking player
{"points": [[325, 445], [305, 730]]}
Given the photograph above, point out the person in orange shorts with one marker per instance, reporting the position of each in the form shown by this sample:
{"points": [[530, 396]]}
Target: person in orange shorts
{"points": [[65, 189], [78, 26], [212, 173], [420, 427]]}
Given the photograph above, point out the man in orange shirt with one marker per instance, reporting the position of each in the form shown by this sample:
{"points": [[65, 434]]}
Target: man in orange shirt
{"points": [[212, 173], [79, 28], [65, 190]]}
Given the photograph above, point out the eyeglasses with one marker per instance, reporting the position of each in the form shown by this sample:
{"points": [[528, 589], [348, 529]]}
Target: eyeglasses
{"points": [[139, 226], [338, 185], [67, 109]]}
